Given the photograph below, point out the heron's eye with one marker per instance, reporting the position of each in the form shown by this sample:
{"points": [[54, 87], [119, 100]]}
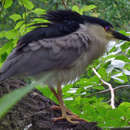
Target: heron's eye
{"points": [[107, 28]]}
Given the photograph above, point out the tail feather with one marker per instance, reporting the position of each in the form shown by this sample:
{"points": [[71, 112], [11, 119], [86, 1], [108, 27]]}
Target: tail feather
{"points": [[2, 77], [5, 75]]}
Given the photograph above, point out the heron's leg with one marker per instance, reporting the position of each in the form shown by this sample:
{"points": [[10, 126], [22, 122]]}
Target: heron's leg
{"points": [[63, 109], [61, 102], [69, 118], [54, 92], [56, 107]]}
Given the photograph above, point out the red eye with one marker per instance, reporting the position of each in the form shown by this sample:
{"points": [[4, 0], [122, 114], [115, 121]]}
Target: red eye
{"points": [[106, 28]]}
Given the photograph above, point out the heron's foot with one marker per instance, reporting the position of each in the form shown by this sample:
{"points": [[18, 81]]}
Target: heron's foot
{"points": [[70, 118], [56, 107]]}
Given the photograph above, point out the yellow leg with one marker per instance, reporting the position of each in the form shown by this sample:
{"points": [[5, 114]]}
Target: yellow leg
{"points": [[56, 107], [71, 117], [54, 92], [63, 109]]}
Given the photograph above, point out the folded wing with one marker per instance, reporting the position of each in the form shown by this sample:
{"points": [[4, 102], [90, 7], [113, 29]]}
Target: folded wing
{"points": [[44, 55]]}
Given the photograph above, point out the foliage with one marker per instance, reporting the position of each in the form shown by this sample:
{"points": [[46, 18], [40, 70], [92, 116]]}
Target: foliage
{"points": [[112, 11], [114, 66], [7, 102]]}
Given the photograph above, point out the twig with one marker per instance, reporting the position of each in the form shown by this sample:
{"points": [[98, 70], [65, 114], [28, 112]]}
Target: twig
{"points": [[2, 7], [107, 90], [110, 88], [64, 4]]}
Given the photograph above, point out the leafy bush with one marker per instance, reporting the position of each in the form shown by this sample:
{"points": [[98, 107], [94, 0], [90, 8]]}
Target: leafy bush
{"points": [[82, 96]]}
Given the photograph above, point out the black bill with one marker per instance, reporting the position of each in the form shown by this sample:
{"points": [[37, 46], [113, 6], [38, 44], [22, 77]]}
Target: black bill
{"points": [[120, 36]]}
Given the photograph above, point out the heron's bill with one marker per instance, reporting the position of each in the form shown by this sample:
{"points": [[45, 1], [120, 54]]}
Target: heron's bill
{"points": [[119, 36]]}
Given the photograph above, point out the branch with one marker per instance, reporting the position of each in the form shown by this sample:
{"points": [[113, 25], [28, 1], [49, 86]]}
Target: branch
{"points": [[34, 112], [64, 4], [109, 86], [107, 90]]}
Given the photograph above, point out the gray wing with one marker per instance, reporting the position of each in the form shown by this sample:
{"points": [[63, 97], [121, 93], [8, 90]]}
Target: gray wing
{"points": [[44, 55]]}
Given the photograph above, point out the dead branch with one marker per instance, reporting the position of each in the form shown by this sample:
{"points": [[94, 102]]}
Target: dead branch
{"points": [[109, 86], [107, 90], [64, 4]]}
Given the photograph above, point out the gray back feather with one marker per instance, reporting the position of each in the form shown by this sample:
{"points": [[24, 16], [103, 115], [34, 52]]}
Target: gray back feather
{"points": [[46, 54]]}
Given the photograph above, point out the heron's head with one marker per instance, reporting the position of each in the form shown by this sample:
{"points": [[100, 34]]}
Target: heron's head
{"points": [[68, 21], [103, 29]]}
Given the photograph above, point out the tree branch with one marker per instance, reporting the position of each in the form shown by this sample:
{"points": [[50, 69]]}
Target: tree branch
{"points": [[107, 90], [109, 86], [33, 112], [64, 4]]}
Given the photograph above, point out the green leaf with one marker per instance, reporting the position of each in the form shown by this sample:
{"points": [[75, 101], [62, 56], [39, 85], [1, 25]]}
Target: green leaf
{"points": [[99, 87], [2, 34], [39, 20], [120, 78], [22, 29], [5, 48], [123, 58], [128, 53], [88, 8], [94, 80], [47, 92], [3, 57], [127, 66], [124, 33], [27, 4], [113, 49], [15, 17], [11, 34], [124, 105], [7, 3], [9, 100], [125, 46], [19, 24], [76, 8], [39, 11], [103, 73]]}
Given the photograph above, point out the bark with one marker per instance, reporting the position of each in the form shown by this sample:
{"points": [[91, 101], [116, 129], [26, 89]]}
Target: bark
{"points": [[33, 112]]}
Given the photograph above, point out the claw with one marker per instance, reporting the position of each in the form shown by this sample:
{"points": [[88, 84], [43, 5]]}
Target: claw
{"points": [[66, 113], [69, 118], [74, 119], [56, 107]]}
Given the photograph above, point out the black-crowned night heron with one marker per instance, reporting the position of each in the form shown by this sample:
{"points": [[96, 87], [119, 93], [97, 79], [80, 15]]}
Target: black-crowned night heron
{"points": [[65, 46]]}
